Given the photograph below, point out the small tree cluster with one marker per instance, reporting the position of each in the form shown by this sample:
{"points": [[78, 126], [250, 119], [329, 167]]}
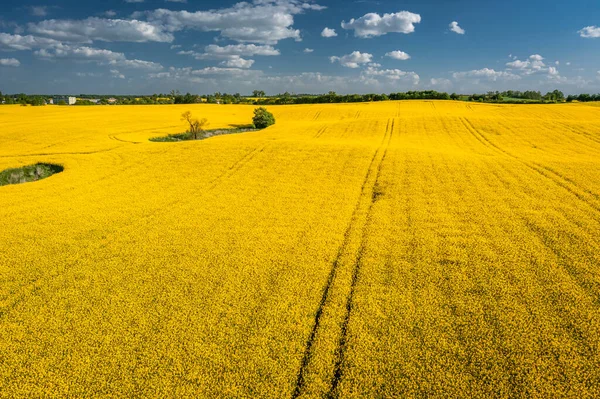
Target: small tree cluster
{"points": [[262, 118], [196, 126]]}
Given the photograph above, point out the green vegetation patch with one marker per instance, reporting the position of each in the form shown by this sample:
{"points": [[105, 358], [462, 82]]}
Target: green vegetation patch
{"points": [[28, 173], [204, 135], [263, 118]]}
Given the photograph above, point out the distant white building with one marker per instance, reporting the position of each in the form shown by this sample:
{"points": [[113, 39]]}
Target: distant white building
{"points": [[67, 99]]}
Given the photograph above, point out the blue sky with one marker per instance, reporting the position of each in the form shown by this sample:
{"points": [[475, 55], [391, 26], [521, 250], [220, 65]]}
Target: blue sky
{"points": [[300, 46]]}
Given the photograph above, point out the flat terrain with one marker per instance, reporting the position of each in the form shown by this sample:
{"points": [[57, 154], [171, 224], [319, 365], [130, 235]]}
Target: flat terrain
{"points": [[395, 249]]}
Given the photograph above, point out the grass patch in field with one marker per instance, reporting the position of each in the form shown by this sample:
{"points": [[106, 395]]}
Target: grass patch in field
{"points": [[28, 173], [207, 133]]}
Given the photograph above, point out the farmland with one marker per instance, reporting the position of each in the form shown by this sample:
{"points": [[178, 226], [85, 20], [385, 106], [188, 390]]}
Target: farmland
{"points": [[393, 249]]}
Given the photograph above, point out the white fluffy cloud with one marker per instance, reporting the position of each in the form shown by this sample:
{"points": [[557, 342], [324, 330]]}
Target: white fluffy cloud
{"points": [[353, 60], [137, 64], [88, 74], [248, 50], [216, 71], [231, 51], [262, 21], [576, 81], [209, 75], [12, 62], [116, 74], [590, 32], [372, 24], [232, 54], [237, 62], [237, 79], [441, 83], [552, 71], [307, 82], [398, 55], [534, 64], [486, 73], [108, 30], [80, 52], [456, 29], [101, 56], [328, 33], [518, 64], [47, 48], [28, 42], [308, 50], [231, 79], [391, 74]]}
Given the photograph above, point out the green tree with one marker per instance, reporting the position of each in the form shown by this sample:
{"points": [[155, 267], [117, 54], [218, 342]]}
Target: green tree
{"points": [[262, 118], [558, 95], [196, 126], [37, 101]]}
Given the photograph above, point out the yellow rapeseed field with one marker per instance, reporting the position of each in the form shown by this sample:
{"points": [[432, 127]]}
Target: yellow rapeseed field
{"points": [[377, 250]]}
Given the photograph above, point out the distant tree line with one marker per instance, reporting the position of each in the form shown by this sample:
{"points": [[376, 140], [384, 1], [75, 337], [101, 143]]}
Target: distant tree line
{"points": [[333, 97], [22, 99], [259, 98], [584, 98], [516, 96], [216, 98]]}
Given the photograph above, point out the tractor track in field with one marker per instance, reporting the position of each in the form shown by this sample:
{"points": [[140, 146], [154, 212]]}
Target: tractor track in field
{"points": [[41, 281], [367, 193], [561, 181], [576, 274], [237, 165], [60, 153], [580, 132], [320, 132], [114, 137], [547, 242], [25, 291], [343, 342], [586, 286]]}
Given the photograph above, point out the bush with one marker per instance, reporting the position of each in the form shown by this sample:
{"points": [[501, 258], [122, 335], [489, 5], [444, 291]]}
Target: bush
{"points": [[262, 118], [84, 102], [28, 173]]}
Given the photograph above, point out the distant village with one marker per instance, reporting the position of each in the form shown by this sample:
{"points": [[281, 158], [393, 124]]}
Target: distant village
{"points": [[175, 97], [68, 100], [258, 97]]}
